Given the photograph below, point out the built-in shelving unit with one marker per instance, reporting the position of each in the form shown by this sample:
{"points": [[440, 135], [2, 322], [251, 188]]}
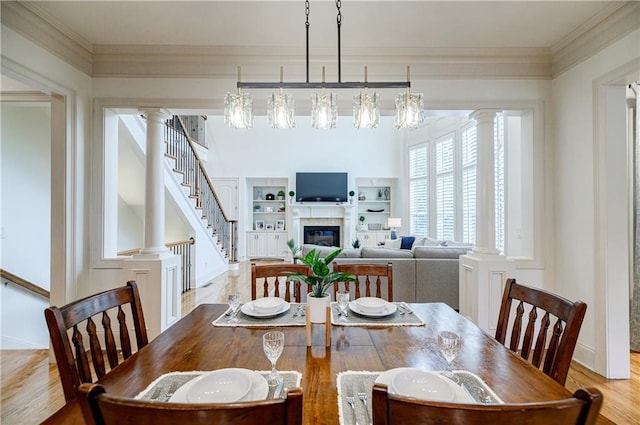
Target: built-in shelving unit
{"points": [[267, 226], [375, 201]]}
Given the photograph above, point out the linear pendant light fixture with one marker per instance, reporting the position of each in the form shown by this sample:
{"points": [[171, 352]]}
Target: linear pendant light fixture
{"points": [[281, 110]]}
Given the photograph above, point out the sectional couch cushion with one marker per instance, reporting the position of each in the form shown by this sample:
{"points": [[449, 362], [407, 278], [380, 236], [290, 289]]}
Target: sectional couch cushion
{"points": [[381, 252], [439, 252]]}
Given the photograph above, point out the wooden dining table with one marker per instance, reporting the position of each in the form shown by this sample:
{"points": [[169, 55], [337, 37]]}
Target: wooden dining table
{"points": [[194, 344]]}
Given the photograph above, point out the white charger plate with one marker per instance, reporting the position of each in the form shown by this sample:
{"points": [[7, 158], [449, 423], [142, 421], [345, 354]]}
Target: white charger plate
{"points": [[461, 396], [247, 308], [389, 309], [258, 391]]}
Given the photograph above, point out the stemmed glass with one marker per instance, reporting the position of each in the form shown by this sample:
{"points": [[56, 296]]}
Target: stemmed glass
{"points": [[343, 301], [234, 304], [449, 344], [273, 344]]}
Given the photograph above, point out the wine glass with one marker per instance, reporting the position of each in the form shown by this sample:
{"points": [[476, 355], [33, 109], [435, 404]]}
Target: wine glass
{"points": [[234, 304], [343, 301], [273, 344], [449, 344]]}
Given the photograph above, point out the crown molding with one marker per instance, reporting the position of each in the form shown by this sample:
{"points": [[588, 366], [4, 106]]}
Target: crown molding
{"points": [[29, 21], [262, 63], [616, 21], [25, 96]]}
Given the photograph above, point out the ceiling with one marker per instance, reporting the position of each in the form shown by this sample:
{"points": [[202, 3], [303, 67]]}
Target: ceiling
{"points": [[365, 24]]}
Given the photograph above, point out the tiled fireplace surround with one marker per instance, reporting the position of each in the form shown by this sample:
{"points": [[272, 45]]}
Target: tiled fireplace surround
{"points": [[323, 214]]}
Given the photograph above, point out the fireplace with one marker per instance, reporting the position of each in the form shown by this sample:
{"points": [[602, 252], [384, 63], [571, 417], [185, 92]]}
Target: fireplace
{"points": [[321, 235]]}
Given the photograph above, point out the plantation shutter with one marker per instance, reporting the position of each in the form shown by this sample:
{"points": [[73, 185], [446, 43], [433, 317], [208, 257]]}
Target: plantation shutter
{"points": [[445, 195], [418, 191], [469, 162], [499, 160]]}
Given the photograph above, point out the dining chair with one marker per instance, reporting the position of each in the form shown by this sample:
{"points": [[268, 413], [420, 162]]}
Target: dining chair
{"points": [[101, 408], [547, 307], [377, 275], [81, 316], [271, 277], [580, 409]]}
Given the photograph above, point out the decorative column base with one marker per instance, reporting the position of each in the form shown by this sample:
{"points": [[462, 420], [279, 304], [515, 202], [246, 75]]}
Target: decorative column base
{"points": [[160, 285], [482, 280]]}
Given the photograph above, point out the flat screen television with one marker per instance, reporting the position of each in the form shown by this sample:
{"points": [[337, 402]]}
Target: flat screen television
{"points": [[321, 187]]}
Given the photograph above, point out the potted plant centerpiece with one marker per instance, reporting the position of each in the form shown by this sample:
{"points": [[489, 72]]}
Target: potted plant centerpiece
{"points": [[320, 279], [294, 250], [291, 196]]}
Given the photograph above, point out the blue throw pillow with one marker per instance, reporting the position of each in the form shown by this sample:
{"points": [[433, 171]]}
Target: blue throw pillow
{"points": [[407, 242]]}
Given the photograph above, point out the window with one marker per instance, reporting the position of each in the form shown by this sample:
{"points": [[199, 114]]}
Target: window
{"points": [[418, 200], [448, 166]]}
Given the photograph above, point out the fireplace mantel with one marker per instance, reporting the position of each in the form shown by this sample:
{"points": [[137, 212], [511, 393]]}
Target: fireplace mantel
{"points": [[320, 213]]}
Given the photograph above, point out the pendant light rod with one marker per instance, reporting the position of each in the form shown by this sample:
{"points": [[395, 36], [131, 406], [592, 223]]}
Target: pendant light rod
{"points": [[311, 85]]}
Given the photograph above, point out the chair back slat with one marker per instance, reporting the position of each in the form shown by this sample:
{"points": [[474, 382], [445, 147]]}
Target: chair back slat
{"points": [[109, 341], [125, 340], [580, 409], [556, 357], [74, 365], [99, 407], [273, 276], [96, 349], [367, 275]]}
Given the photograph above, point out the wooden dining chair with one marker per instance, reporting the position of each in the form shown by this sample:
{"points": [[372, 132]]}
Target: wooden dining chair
{"points": [[546, 307], [101, 408], [368, 275], [580, 409], [272, 277], [81, 316]]}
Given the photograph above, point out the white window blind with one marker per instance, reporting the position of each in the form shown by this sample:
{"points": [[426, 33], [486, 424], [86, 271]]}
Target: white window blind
{"points": [[418, 191], [468, 183], [499, 154], [445, 194]]}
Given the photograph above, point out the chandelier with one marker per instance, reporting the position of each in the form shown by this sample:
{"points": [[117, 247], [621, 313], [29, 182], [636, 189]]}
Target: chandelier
{"points": [[238, 107]]}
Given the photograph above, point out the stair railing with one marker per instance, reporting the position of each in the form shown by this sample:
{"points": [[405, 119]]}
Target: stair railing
{"points": [[181, 147], [181, 248], [17, 280]]}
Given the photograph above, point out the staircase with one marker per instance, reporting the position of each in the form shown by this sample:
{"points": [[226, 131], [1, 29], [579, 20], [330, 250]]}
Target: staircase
{"points": [[190, 171]]}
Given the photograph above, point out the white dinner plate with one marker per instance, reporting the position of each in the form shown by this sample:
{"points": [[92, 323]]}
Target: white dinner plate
{"points": [[423, 385], [460, 395], [259, 388], [389, 309], [247, 309], [219, 386]]}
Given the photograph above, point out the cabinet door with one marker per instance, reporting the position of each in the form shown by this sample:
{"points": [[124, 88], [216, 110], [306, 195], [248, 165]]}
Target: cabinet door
{"points": [[366, 239], [277, 244], [256, 245]]}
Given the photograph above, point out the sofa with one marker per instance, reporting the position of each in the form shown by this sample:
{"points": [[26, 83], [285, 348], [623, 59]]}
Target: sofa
{"points": [[425, 272]]}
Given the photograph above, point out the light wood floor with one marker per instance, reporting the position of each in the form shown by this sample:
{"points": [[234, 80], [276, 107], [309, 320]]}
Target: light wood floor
{"points": [[31, 391]]}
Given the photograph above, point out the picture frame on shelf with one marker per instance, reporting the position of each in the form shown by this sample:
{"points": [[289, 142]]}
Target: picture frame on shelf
{"points": [[259, 224], [269, 226], [280, 225]]}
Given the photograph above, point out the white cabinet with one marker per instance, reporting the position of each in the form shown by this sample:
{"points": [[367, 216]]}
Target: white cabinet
{"points": [[372, 238], [267, 245]]}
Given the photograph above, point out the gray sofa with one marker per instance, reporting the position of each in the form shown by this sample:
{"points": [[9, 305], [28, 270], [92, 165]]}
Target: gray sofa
{"points": [[420, 274]]}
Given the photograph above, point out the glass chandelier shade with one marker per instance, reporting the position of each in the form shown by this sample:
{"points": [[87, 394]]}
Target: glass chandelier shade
{"points": [[409, 110], [324, 110], [281, 110], [366, 113], [238, 110]]}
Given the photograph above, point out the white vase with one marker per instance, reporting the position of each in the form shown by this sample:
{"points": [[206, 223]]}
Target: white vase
{"points": [[318, 308]]}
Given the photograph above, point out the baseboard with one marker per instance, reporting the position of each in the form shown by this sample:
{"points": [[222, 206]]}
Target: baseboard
{"points": [[584, 355], [8, 343]]}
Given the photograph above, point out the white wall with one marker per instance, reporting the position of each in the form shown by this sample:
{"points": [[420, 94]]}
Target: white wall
{"points": [[578, 169], [25, 164]]}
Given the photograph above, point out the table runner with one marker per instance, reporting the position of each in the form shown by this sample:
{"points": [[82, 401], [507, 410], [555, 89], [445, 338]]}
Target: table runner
{"points": [[407, 318], [358, 380], [295, 316], [163, 387]]}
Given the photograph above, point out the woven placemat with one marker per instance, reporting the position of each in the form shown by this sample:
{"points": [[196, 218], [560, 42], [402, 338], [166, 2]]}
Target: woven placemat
{"points": [[350, 383], [166, 385], [404, 316], [295, 316]]}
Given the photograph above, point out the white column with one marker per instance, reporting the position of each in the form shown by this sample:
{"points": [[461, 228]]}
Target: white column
{"points": [[485, 187], [154, 185], [483, 271]]}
